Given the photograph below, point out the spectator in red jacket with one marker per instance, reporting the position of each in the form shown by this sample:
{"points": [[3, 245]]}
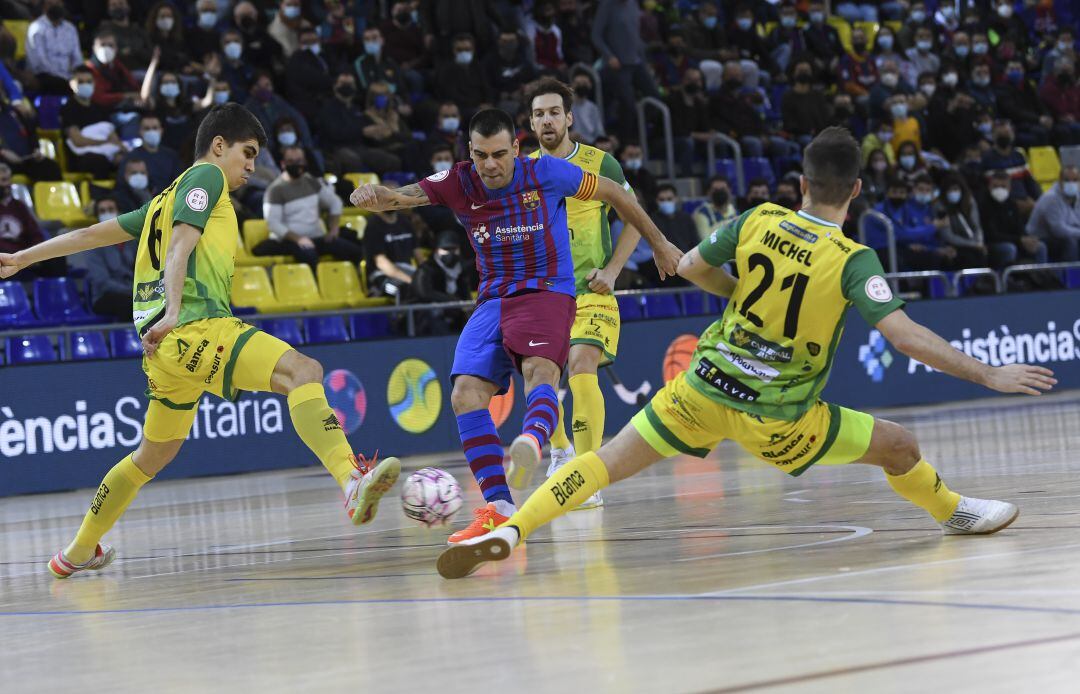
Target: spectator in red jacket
{"points": [[19, 229], [1062, 94], [113, 84]]}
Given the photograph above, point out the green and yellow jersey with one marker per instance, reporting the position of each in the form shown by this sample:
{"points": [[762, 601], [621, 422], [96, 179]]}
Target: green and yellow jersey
{"points": [[199, 197], [590, 230], [771, 352]]}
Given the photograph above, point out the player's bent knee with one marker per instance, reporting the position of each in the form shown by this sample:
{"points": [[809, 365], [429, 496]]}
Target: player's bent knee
{"points": [[896, 449], [294, 370], [538, 370], [466, 397], [584, 361], [152, 456]]}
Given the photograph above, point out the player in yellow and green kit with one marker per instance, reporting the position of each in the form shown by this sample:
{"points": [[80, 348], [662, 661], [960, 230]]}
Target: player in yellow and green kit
{"points": [[594, 338], [187, 237], [758, 372]]}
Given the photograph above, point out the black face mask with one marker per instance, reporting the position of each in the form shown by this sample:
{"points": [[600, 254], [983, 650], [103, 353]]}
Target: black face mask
{"points": [[5, 191], [346, 91], [692, 89], [897, 202], [247, 23], [118, 15], [720, 198], [403, 18], [1003, 141], [804, 78], [582, 91], [55, 13], [732, 85], [295, 170], [859, 47], [449, 259], [844, 112]]}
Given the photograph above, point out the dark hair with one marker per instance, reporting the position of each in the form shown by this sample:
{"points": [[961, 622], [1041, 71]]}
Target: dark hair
{"points": [[463, 36], [105, 32], [831, 165], [999, 175], [550, 85], [440, 147], [665, 187], [233, 123], [490, 122], [755, 182], [922, 178], [896, 182], [81, 69], [714, 178]]}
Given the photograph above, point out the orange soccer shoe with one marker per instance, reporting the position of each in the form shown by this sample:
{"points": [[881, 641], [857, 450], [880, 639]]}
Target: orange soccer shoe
{"points": [[485, 519]]}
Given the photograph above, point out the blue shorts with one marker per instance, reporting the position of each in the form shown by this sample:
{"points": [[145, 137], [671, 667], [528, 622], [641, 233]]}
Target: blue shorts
{"points": [[502, 332]]}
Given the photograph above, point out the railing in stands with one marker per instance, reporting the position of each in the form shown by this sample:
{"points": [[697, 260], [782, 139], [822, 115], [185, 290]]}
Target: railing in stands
{"points": [[710, 154], [1035, 267], [643, 134], [598, 87], [890, 235], [959, 277]]}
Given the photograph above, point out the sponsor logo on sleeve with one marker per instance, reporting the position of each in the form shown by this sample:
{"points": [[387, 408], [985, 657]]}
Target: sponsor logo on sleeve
{"points": [[436, 177], [197, 199], [878, 289]]}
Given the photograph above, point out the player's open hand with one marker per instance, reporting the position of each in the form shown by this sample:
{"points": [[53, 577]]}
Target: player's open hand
{"points": [[667, 256], [157, 333], [1021, 378], [369, 196], [601, 280], [9, 265]]}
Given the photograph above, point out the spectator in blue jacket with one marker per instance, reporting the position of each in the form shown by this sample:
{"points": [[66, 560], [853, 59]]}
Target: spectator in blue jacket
{"points": [[917, 245]]}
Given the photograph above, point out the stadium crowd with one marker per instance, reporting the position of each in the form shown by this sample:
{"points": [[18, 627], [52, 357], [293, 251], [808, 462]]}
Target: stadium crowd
{"points": [[942, 95]]}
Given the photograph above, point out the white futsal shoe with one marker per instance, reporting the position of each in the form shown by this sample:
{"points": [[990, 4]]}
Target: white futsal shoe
{"points": [[562, 456], [980, 517], [461, 559], [368, 482], [524, 458]]}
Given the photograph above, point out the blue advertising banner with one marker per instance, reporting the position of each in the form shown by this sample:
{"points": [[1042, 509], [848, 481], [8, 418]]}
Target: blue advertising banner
{"points": [[63, 425]]}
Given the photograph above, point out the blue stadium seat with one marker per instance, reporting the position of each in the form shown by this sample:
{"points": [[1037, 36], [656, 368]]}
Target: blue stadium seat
{"points": [[29, 349], [690, 206], [716, 304], [726, 167], [57, 302], [1072, 278], [367, 326], [15, 306], [83, 345], [662, 306], [284, 329], [759, 167], [630, 308], [48, 110], [325, 329], [694, 303], [396, 179], [125, 344], [244, 310]]}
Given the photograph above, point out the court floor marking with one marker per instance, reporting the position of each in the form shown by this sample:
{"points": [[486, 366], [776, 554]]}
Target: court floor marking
{"points": [[856, 531]]}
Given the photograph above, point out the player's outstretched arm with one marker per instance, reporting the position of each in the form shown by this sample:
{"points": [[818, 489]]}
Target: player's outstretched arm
{"points": [[665, 253], [923, 344], [95, 236], [379, 198], [183, 241], [715, 280]]}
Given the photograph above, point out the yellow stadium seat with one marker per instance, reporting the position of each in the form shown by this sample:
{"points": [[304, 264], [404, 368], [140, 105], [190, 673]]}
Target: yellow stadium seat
{"points": [[245, 259], [21, 179], [58, 148], [895, 24], [843, 28], [251, 287], [75, 177], [1045, 165], [294, 284], [85, 185], [255, 232], [338, 280], [356, 179], [356, 222], [18, 29], [871, 30], [59, 201]]}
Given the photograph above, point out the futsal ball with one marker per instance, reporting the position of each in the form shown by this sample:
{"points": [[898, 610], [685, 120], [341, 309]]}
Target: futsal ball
{"points": [[347, 398], [414, 395], [502, 405], [677, 357], [431, 496]]}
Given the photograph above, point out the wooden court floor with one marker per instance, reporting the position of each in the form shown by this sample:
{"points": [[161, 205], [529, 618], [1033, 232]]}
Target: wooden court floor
{"points": [[714, 575]]}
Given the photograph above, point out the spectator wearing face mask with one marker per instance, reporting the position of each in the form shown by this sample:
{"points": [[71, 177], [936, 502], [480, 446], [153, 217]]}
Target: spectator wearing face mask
{"points": [[640, 178], [293, 207], [204, 37], [19, 230], [162, 163], [508, 70], [956, 216], [1007, 24], [856, 72], [921, 55], [404, 37], [114, 87], [374, 65], [110, 270], [957, 56], [442, 278], [744, 37], [1005, 157], [1056, 218], [235, 68], [704, 34], [757, 193], [131, 42], [910, 164], [905, 127], [675, 224], [308, 81], [588, 125], [787, 194], [804, 109], [1003, 223], [52, 49], [1063, 47], [132, 189], [917, 18], [174, 110], [448, 130], [979, 87], [718, 208], [167, 36], [89, 134], [286, 26], [950, 117], [885, 48], [888, 85], [786, 40], [875, 177], [462, 80], [690, 119], [733, 111], [822, 40], [1019, 102], [879, 138], [268, 107], [386, 133], [1061, 94], [259, 48], [917, 245], [545, 37]]}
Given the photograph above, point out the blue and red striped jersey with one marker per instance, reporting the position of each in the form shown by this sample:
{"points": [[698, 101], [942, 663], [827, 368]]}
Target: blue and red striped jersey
{"points": [[519, 231]]}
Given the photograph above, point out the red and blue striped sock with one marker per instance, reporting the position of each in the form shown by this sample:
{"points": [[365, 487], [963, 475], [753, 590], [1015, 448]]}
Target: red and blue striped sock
{"points": [[484, 451], [541, 413]]}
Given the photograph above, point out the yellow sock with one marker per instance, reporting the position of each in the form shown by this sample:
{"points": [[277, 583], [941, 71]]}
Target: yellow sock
{"points": [[589, 412], [117, 490], [559, 438], [922, 486], [319, 429], [562, 492]]}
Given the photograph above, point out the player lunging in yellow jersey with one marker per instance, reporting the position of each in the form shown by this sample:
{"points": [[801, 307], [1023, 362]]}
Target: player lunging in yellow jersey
{"points": [[594, 338], [187, 238], [758, 372]]}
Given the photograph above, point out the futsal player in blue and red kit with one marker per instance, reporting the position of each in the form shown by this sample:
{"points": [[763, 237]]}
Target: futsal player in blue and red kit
{"points": [[515, 213]]}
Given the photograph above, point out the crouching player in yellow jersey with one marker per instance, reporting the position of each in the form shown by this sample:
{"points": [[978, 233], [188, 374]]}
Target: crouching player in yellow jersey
{"points": [[758, 372], [187, 238], [594, 338]]}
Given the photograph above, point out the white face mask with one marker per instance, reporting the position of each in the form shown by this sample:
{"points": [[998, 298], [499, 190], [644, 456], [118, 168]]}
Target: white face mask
{"points": [[85, 90], [950, 79], [286, 138], [999, 194], [928, 89], [463, 57], [450, 124], [152, 138], [207, 20], [890, 79], [924, 45], [105, 54], [1070, 188], [165, 23], [980, 48], [291, 11], [666, 207], [233, 50], [953, 196], [885, 41], [221, 97], [1005, 11], [899, 111], [170, 90], [443, 165], [907, 161], [314, 48], [106, 216], [632, 164], [138, 181]]}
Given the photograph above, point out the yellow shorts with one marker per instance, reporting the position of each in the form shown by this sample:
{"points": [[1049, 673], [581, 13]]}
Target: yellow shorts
{"points": [[222, 356], [597, 323], [681, 419]]}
